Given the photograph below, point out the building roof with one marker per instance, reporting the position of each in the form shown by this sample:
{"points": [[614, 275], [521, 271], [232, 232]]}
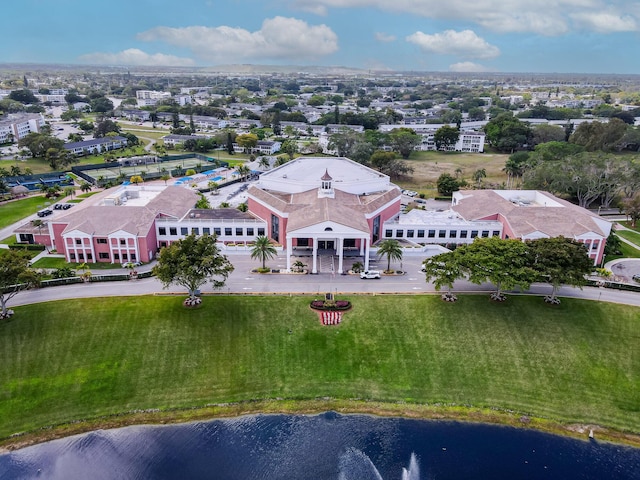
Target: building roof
{"points": [[98, 219], [527, 212], [93, 142], [305, 209]]}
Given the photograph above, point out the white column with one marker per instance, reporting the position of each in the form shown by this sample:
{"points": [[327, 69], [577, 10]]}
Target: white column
{"points": [[366, 253], [289, 249], [362, 240], [340, 255], [315, 255]]}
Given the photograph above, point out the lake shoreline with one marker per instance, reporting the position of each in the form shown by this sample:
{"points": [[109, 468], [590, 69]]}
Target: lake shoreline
{"points": [[492, 416]]}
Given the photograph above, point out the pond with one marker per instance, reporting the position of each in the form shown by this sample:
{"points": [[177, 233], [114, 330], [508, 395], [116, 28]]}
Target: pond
{"points": [[326, 446]]}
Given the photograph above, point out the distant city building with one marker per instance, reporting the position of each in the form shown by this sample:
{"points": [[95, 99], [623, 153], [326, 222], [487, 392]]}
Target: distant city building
{"points": [[16, 126]]}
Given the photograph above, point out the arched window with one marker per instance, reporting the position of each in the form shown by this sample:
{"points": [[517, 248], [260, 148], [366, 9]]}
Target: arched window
{"points": [[328, 229]]}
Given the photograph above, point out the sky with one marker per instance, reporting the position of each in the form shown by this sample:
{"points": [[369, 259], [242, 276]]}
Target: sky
{"points": [[563, 36]]}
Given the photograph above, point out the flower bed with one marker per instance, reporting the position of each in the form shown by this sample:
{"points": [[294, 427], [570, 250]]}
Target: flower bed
{"points": [[192, 302], [330, 305]]}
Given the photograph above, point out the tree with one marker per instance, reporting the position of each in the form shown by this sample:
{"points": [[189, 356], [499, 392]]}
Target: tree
{"points": [[15, 275], [191, 262], [600, 136], [165, 177], [445, 137], [447, 184], [514, 167], [343, 142], [39, 143], [136, 179], [387, 163], [23, 96], [547, 133], [404, 140], [559, 261], [203, 202], [507, 133], [243, 171], [247, 140], [104, 127], [478, 175], [101, 105], [501, 262], [631, 208], [85, 187], [444, 270], [264, 162], [263, 250], [390, 249], [290, 147]]}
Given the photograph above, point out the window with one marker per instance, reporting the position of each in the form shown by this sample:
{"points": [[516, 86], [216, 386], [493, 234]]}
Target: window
{"points": [[173, 231], [217, 231], [123, 241], [410, 233], [89, 256], [388, 233], [162, 230], [275, 228], [463, 234], [474, 233], [261, 232], [376, 229], [103, 256], [595, 245], [250, 232], [72, 256], [163, 244], [453, 233], [227, 231], [78, 241], [132, 257], [399, 233], [81, 256], [432, 234], [302, 242], [238, 232], [116, 256], [420, 233], [184, 231], [349, 242], [195, 230], [442, 233], [496, 233], [206, 231], [485, 233], [101, 240]]}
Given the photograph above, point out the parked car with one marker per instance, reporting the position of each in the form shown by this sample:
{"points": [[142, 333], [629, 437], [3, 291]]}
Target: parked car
{"points": [[67, 206], [131, 264], [370, 274], [636, 278], [44, 213], [57, 206]]}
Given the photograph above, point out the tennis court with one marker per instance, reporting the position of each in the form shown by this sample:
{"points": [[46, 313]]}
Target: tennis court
{"points": [[112, 173]]}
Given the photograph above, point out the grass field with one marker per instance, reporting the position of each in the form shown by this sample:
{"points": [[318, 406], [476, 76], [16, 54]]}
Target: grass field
{"points": [[632, 236], [57, 262], [80, 359], [428, 166], [11, 212]]}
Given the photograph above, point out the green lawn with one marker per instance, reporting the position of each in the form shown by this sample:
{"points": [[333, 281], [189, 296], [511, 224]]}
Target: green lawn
{"points": [[67, 360], [629, 235], [57, 262], [11, 212]]}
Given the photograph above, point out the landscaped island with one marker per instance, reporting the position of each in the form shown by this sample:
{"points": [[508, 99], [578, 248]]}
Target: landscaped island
{"points": [[95, 359]]}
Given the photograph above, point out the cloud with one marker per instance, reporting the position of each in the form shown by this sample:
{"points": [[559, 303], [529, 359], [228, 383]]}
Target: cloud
{"points": [[544, 17], [602, 22], [133, 56], [278, 38], [463, 44], [468, 67], [383, 37]]}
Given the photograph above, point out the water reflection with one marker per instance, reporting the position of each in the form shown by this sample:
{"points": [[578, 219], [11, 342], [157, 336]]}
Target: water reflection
{"points": [[327, 446]]}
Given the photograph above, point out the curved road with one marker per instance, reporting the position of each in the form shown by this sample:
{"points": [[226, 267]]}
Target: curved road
{"points": [[243, 281]]}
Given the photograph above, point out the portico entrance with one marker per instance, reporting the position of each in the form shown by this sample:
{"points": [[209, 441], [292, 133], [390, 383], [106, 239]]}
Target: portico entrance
{"points": [[326, 245]]}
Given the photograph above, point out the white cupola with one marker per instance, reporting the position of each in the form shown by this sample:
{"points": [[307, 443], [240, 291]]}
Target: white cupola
{"points": [[326, 189]]}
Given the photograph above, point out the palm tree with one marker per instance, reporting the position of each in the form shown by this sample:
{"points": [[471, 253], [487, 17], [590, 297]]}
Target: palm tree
{"points": [[390, 249], [478, 175], [85, 187], [243, 171], [165, 177], [263, 250], [264, 162]]}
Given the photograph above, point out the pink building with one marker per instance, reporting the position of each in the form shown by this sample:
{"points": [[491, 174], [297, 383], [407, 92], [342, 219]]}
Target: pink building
{"points": [[324, 204], [118, 225]]}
